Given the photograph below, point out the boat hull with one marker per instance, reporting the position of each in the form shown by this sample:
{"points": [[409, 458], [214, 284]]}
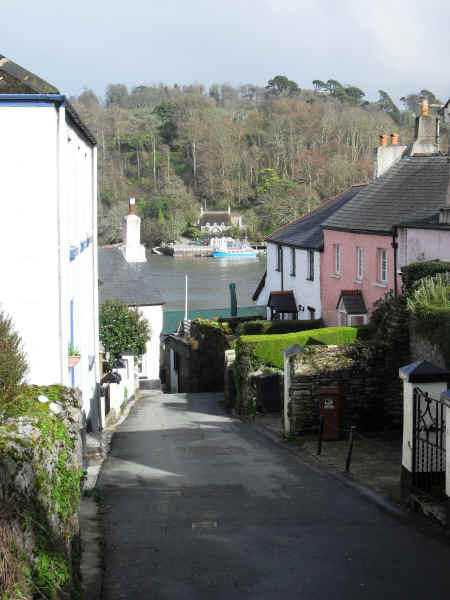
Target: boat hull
{"points": [[228, 254]]}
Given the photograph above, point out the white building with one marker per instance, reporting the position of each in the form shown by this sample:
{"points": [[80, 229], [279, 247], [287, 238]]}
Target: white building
{"points": [[218, 221], [125, 275], [425, 239], [48, 251], [291, 285]]}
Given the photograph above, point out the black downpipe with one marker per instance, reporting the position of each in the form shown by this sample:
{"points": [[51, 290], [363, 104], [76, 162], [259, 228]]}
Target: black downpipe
{"points": [[395, 247]]}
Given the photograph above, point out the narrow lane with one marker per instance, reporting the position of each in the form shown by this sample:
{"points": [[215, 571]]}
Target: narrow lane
{"points": [[201, 506]]}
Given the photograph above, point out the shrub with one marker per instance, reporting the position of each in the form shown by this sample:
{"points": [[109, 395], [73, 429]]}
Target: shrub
{"points": [[13, 365], [268, 349], [412, 273], [123, 330], [274, 327], [235, 322]]}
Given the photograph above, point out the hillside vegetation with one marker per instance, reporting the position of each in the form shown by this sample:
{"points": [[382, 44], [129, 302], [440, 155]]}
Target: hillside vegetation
{"points": [[272, 153]]}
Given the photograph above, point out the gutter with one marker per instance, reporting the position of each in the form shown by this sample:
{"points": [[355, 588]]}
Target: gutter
{"points": [[58, 100]]}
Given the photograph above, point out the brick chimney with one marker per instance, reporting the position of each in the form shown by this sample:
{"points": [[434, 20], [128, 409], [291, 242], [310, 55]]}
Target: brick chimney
{"points": [[387, 155], [427, 132], [133, 250]]}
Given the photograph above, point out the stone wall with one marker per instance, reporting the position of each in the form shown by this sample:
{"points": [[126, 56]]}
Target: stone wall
{"points": [[370, 401], [41, 470]]}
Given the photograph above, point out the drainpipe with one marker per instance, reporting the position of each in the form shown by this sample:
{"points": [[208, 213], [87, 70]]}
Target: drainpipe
{"points": [[394, 245], [282, 268]]}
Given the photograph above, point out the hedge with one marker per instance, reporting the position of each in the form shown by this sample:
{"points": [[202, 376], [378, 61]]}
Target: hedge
{"points": [[412, 273], [274, 327], [268, 349]]}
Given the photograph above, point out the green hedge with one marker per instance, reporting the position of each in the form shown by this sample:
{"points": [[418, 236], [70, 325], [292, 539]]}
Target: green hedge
{"points": [[412, 273], [274, 327], [268, 349]]}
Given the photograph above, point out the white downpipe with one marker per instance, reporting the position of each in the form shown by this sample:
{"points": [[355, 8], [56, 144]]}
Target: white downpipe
{"points": [[186, 299]]}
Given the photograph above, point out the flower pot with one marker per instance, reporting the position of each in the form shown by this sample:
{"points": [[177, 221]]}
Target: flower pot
{"points": [[73, 361]]}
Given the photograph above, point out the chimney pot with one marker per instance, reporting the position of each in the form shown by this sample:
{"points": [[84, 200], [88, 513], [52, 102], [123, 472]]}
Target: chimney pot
{"points": [[394, 139], [132, 206], [383, 139]]}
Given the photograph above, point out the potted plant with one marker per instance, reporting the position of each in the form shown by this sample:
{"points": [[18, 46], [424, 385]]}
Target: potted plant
{"points": [[74, 356]]}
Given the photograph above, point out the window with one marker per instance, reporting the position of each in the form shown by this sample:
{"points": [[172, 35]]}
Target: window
{"points": [[359, 264], [310, 259], [293, 262], [279, 258], [337, 259], [382, 265], [312, 312]]}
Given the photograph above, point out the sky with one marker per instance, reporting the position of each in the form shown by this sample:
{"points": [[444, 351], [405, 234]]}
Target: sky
{"points": [[401, 46]]}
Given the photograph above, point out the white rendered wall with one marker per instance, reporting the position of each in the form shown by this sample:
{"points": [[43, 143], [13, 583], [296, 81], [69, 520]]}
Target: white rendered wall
{"points": [[423, 244], [48, 205], [151, 359], [307, 293], [121, 393], [29, 290]]}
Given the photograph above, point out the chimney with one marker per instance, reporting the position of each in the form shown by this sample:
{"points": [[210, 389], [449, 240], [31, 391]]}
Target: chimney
{"points": [[229, 209], [133, 250], [427, 132], [387, 155]]}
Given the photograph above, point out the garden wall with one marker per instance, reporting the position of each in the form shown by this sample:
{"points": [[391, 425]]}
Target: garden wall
{"points": [[41, 469]]}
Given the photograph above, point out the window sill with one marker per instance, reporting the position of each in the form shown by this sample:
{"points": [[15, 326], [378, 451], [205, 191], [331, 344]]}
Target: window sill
{"points": [[380, 284], [358, 281], [310, 280], [336, 275]]}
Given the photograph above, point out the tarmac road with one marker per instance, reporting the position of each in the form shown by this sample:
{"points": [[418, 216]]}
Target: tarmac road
{"points": [[199, 505]]}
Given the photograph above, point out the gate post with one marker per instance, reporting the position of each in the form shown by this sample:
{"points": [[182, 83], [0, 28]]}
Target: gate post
{"points": [[288, 354], [431, 380], [445, 398]]}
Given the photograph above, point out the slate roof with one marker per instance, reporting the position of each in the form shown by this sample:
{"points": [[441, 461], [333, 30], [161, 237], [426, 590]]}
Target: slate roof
{"points": [[413, 189], [17, 80], [283, 302], [131, 283], [306, 232], [353, 302]]}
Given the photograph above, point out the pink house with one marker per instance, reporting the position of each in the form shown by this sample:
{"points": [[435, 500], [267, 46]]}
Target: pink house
{"points": [[364, 242]]}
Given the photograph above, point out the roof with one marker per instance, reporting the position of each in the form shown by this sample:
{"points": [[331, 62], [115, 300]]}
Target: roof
{"points": [[17, 80], [18, 84], [283, 302], [431, 222], [131, 283], [413, 189], [306, 232], [353, 302]]}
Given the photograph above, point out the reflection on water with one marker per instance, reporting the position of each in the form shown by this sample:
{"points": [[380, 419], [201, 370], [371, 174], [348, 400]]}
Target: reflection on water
{"points": [[208, 280]]}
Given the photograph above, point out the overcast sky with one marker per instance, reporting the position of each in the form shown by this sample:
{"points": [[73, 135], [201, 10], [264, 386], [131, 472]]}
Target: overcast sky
{"points": [[397, 45]]}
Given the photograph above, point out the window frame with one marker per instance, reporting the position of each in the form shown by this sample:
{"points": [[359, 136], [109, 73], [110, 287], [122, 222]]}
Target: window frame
{"points": [[337, 258], [382, 266], [293, 263], [310, 258], [359, 263], [279, 262]]}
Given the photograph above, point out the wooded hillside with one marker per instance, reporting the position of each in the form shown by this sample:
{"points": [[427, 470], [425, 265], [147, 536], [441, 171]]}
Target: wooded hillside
{"points": [[273, 153]]}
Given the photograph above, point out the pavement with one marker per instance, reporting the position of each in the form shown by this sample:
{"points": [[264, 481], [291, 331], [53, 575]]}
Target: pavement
{"points": [[198, 505]]}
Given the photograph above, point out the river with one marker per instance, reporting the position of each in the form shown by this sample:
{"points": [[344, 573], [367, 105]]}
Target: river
{"points": [[208, 280]]}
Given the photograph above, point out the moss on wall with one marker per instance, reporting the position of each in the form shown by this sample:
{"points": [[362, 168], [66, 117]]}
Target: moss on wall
{"points": [[40, 481]]}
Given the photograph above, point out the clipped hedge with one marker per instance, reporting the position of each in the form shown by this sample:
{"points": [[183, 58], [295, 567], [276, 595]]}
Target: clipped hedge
{"points": [[268, 349], [412, 273], [235, 322], [276, 327]]}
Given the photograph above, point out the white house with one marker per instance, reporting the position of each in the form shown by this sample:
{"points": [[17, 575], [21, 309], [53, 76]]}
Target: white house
{"points": [[291, 285], [48, 250], [125, 275], [425, 239], [218, 221]]}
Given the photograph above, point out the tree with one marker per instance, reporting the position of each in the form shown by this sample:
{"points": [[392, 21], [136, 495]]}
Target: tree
{"points": [[123, 330], [387, 105], [13, 364], [116, 94], [281, 85]]}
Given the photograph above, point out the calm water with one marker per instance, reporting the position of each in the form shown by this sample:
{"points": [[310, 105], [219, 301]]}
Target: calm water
{"points": [[208, 280]]}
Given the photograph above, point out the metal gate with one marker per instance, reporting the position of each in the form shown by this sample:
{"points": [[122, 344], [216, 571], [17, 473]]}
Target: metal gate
{"points": [[428, 437]]}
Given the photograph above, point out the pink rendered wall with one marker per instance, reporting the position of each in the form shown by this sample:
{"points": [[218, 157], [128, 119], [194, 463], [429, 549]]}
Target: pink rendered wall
{"points": [[332, 284]]}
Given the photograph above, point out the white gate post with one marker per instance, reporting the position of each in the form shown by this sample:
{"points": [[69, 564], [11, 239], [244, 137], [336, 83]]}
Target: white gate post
{"points": [[288, 354], [445, 398], [431, 380]]}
